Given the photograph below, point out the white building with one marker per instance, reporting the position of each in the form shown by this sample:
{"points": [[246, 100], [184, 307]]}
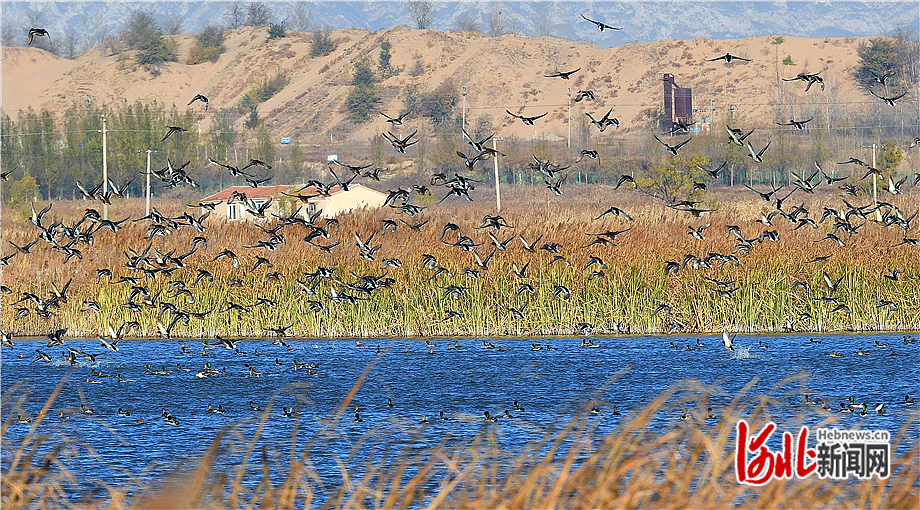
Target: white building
{"points": [[336, 202]]}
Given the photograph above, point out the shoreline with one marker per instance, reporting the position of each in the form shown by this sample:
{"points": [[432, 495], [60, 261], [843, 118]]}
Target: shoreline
{"points": [[78, 336]]}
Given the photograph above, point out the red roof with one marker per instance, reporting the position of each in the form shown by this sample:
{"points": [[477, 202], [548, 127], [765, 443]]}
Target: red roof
{"points": [[262, 192]]}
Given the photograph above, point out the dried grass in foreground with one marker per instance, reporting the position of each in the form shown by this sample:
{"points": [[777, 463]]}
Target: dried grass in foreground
{"points": [[688, 465]]}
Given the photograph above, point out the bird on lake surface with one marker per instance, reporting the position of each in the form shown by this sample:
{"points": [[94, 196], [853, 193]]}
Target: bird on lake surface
{"points": [[729, 342]]}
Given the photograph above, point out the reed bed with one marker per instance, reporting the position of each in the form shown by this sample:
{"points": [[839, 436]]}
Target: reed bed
{"points": [[641, 464], [624, 299]]}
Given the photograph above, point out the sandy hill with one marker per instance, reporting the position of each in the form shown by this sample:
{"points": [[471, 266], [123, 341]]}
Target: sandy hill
{"points": [[498, 74]]}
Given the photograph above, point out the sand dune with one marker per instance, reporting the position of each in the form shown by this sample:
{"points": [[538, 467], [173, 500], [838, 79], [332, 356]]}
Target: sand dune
{"points": [[498, 73]]}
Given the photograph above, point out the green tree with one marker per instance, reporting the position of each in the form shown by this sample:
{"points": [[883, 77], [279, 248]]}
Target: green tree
{"points": [[385, 68], [139, 26], [155, 49], [363, 98], [439, 104], [253, 119], [142, 33], [9, 150], [889, 157], [298, 159], [265, 147], [878, 58], [674, 178], [22, 191]]}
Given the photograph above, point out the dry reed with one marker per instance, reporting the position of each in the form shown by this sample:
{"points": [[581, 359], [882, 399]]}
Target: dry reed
{"points": [[685, 464], [625, 298]]}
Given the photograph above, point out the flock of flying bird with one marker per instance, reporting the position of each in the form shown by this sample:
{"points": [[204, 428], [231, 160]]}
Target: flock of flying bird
{"points": [[171, 304]]}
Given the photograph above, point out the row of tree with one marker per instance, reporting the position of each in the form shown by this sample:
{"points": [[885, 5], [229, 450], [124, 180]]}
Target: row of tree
{"points": [[57, 154], [48, 157]]}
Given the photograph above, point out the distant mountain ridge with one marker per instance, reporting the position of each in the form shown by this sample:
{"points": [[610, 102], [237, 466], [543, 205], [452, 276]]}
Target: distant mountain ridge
{"points": [[641, 21]]}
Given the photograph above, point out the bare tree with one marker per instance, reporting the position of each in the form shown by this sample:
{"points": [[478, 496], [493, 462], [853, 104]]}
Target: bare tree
{"points": [[68, 44], [300, 18], [37, 20], [543, 24], [234, 15], [8, 35], [173, 23], [258, 15], [421, 12], [97, 35], [467, 21], [499, 22]]}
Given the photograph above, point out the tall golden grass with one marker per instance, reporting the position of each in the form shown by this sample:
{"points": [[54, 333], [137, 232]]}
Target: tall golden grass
{"points": [[633, 286], [687, 464]]}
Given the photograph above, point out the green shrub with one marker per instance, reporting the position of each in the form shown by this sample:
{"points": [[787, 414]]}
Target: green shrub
{"points": [[322, 44], [276, 32], [155, 49], [23, 191], [268, 87], [209, 45]]}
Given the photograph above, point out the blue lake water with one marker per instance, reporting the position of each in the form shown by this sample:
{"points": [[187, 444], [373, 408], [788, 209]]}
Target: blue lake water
{"points": [[552, 384]]}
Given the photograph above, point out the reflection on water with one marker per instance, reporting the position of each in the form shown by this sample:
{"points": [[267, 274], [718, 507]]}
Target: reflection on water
{"points": [[551, 379]]}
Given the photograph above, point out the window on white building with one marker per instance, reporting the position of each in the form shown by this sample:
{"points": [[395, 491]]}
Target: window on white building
{"points": [[231, 211]]}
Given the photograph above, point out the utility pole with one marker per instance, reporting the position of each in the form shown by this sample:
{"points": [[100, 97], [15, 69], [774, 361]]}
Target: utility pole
{"points": [[105, 171], [878, 215], [148, 151], [569, 142], [498, 198], [464, 111], [712, 113]]}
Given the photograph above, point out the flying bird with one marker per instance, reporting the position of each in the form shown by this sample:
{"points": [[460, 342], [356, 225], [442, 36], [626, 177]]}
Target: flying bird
{"points": [[673, 150], [172, 129], [199, 97], [757, 156], [33, 32], [396, 121], [881, 79], [889, 100], [601, 26], [564, 75], [798, 124], [584, 94], [605, 121], [526, 120], [728, 58], [728, 342]]}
